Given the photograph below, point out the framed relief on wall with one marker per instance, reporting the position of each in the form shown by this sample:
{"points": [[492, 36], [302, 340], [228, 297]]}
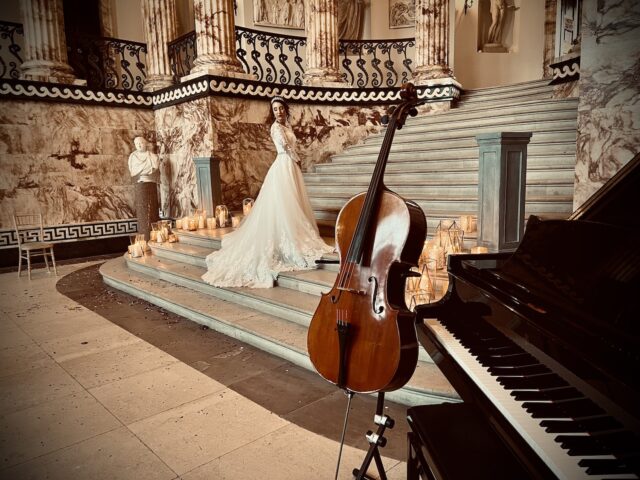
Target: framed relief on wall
{"points": [[402, 13], [279, 13]]}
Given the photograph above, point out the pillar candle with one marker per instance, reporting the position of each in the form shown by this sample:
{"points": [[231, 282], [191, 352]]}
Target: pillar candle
{"points": [[479, 249]]}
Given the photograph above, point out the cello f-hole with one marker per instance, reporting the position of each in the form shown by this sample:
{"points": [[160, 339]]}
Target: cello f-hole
{"points": [[374, 296]]}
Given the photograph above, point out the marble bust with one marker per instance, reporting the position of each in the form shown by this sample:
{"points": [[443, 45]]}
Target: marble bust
{"points": [[143, 163]]}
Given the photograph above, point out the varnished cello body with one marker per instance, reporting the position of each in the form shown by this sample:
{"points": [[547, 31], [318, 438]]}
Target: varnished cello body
{"points": [[362, 336]]}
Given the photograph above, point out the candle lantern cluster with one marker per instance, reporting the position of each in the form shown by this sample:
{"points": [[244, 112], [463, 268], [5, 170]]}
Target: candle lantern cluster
{"points": [[138, 246], [162, 232]]}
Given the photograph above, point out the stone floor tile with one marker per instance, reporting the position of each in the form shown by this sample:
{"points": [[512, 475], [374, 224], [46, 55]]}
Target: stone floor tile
{"points": [[60, 326], [285, 454], [33, 387], [94, 340], [116, 364], [201, 431], [12, 335], [150, 393], [117, 454], [22, 358], [32, 432]]}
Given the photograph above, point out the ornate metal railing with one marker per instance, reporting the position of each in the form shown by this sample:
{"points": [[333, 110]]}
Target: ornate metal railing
{"points": [[11, 42], [376, 63], [106, 62], [271, 57], [281, 58], [182, 53]]}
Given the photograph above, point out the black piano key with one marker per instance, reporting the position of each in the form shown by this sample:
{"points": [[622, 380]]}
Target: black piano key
{"points": [[586, 425], [566, 393], [518, 371], [533, 382], [508, 360], [570, 409], [616, 443], [605, 466]]}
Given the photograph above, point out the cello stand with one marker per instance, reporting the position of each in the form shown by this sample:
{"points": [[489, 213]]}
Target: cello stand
{"points": [[376, 441]]}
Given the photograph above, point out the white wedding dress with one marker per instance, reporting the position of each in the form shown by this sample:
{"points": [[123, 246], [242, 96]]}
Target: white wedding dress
{"points": [[280, 234]]}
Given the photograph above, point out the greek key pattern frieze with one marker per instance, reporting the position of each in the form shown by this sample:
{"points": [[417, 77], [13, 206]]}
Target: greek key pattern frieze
{"points": [[75, 232]]}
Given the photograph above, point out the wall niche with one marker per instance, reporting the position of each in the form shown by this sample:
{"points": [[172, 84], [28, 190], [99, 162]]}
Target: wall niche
{"points": [[496, 20]]}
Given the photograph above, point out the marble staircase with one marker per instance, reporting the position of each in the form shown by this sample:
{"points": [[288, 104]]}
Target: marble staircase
{"points": [[434, 158], [433, 161], [274, 320]]}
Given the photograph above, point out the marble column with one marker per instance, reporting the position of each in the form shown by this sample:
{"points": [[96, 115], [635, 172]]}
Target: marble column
{"points": [[159, 17], [45, 50], [215, 40], [550, 13], [321, 23], [432, 41]]}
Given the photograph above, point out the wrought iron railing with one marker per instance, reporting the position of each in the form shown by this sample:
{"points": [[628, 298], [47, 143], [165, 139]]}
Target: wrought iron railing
{"points": [[11, 42], [376, 63], [106, 62], [182, 53], [119, 64], [271, 57], [280, 59]]}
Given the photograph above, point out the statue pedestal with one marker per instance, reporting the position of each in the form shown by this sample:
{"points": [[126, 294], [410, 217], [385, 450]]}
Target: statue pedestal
{"points": [[146, 194], [494, 48]]}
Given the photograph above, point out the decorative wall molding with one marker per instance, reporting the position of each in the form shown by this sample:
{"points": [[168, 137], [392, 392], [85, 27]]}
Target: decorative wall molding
{"points": [[76, 231], [566, 69], [57, 92], [212, 85]]}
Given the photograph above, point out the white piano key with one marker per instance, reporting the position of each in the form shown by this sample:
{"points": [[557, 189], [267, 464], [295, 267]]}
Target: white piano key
{"points": [[556, 458]]}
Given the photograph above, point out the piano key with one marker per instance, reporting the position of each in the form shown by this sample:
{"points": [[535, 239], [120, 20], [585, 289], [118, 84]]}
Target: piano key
{"points": [[596, 424], [509, 371], [533, 382], [616, 443], [556, 394], [563, 465], [605, 466], [519, 360], [568, 409]]}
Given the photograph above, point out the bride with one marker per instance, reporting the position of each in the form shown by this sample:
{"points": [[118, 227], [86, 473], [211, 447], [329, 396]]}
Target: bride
{"points": [[280, 234]]}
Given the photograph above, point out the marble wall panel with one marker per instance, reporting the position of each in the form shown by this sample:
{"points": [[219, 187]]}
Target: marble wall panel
{"points": [[237, 133], [68, 161], [609, 107]]}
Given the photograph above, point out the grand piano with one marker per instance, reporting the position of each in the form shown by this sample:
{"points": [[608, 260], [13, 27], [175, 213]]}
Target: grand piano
{"points": [[543, 347]]}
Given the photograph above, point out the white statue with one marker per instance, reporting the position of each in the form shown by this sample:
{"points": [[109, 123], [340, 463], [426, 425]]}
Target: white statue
{"points": [[143, 163]]}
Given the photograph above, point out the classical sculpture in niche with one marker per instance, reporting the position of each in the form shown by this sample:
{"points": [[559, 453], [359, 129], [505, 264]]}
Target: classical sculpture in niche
{"points": [[496, 19], [350, 18], [144, 167]]}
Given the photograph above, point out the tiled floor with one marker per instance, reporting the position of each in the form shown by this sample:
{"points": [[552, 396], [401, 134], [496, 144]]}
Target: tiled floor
{"points": [[83, 398]]}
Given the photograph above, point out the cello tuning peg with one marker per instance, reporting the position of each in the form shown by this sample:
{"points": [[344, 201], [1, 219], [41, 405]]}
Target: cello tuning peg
{"points": [[385, 120]]}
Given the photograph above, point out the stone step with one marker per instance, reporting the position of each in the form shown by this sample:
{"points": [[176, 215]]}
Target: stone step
{"points": [[470, 163], [264, 331], [463, 139], [314, 282], [442, 151], [463, 189], [509, 93], [523, 121], [488, 112], [460, 205], [211, 240], [561, 174]]}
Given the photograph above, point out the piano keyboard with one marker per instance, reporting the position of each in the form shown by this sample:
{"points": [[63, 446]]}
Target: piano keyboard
{"points": [[570, 433]]}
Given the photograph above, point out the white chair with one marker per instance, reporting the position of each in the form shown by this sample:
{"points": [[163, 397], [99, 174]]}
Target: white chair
{"points": [[30, 236]]}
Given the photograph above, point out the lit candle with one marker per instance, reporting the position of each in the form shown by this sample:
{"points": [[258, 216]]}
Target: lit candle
{"points": [[193, 223], [173, 238], [247, 205], [185, 223], [211, 223], [437, 254], [178, 223], [201, 221], [235, 222], [153, 236], [479, 249]]}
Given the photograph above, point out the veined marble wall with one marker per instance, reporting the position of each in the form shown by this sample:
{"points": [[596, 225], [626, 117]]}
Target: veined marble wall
{"points": [[67, 161], [237, 132], [609, 108]]}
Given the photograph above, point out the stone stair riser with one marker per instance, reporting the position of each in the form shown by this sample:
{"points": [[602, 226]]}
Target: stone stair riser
{"points": [[279, 310]]}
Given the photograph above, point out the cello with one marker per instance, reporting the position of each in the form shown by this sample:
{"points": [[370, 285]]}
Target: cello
{"points": [[362, 335]]}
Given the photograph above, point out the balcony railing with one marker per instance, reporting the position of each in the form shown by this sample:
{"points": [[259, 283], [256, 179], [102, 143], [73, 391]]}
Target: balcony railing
{"points": [[108, 62], [11, 42], [111, 63]]}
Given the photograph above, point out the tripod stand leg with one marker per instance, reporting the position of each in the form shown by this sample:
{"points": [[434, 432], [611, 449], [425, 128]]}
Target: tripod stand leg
{"points": [[375, 442]]}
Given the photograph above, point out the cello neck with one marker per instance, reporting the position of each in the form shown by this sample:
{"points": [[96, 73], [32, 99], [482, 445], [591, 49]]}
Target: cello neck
{"points": [[354, 254]]}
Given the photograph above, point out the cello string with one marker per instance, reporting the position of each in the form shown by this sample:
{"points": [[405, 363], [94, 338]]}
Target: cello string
{"points": [[344, 429]]}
